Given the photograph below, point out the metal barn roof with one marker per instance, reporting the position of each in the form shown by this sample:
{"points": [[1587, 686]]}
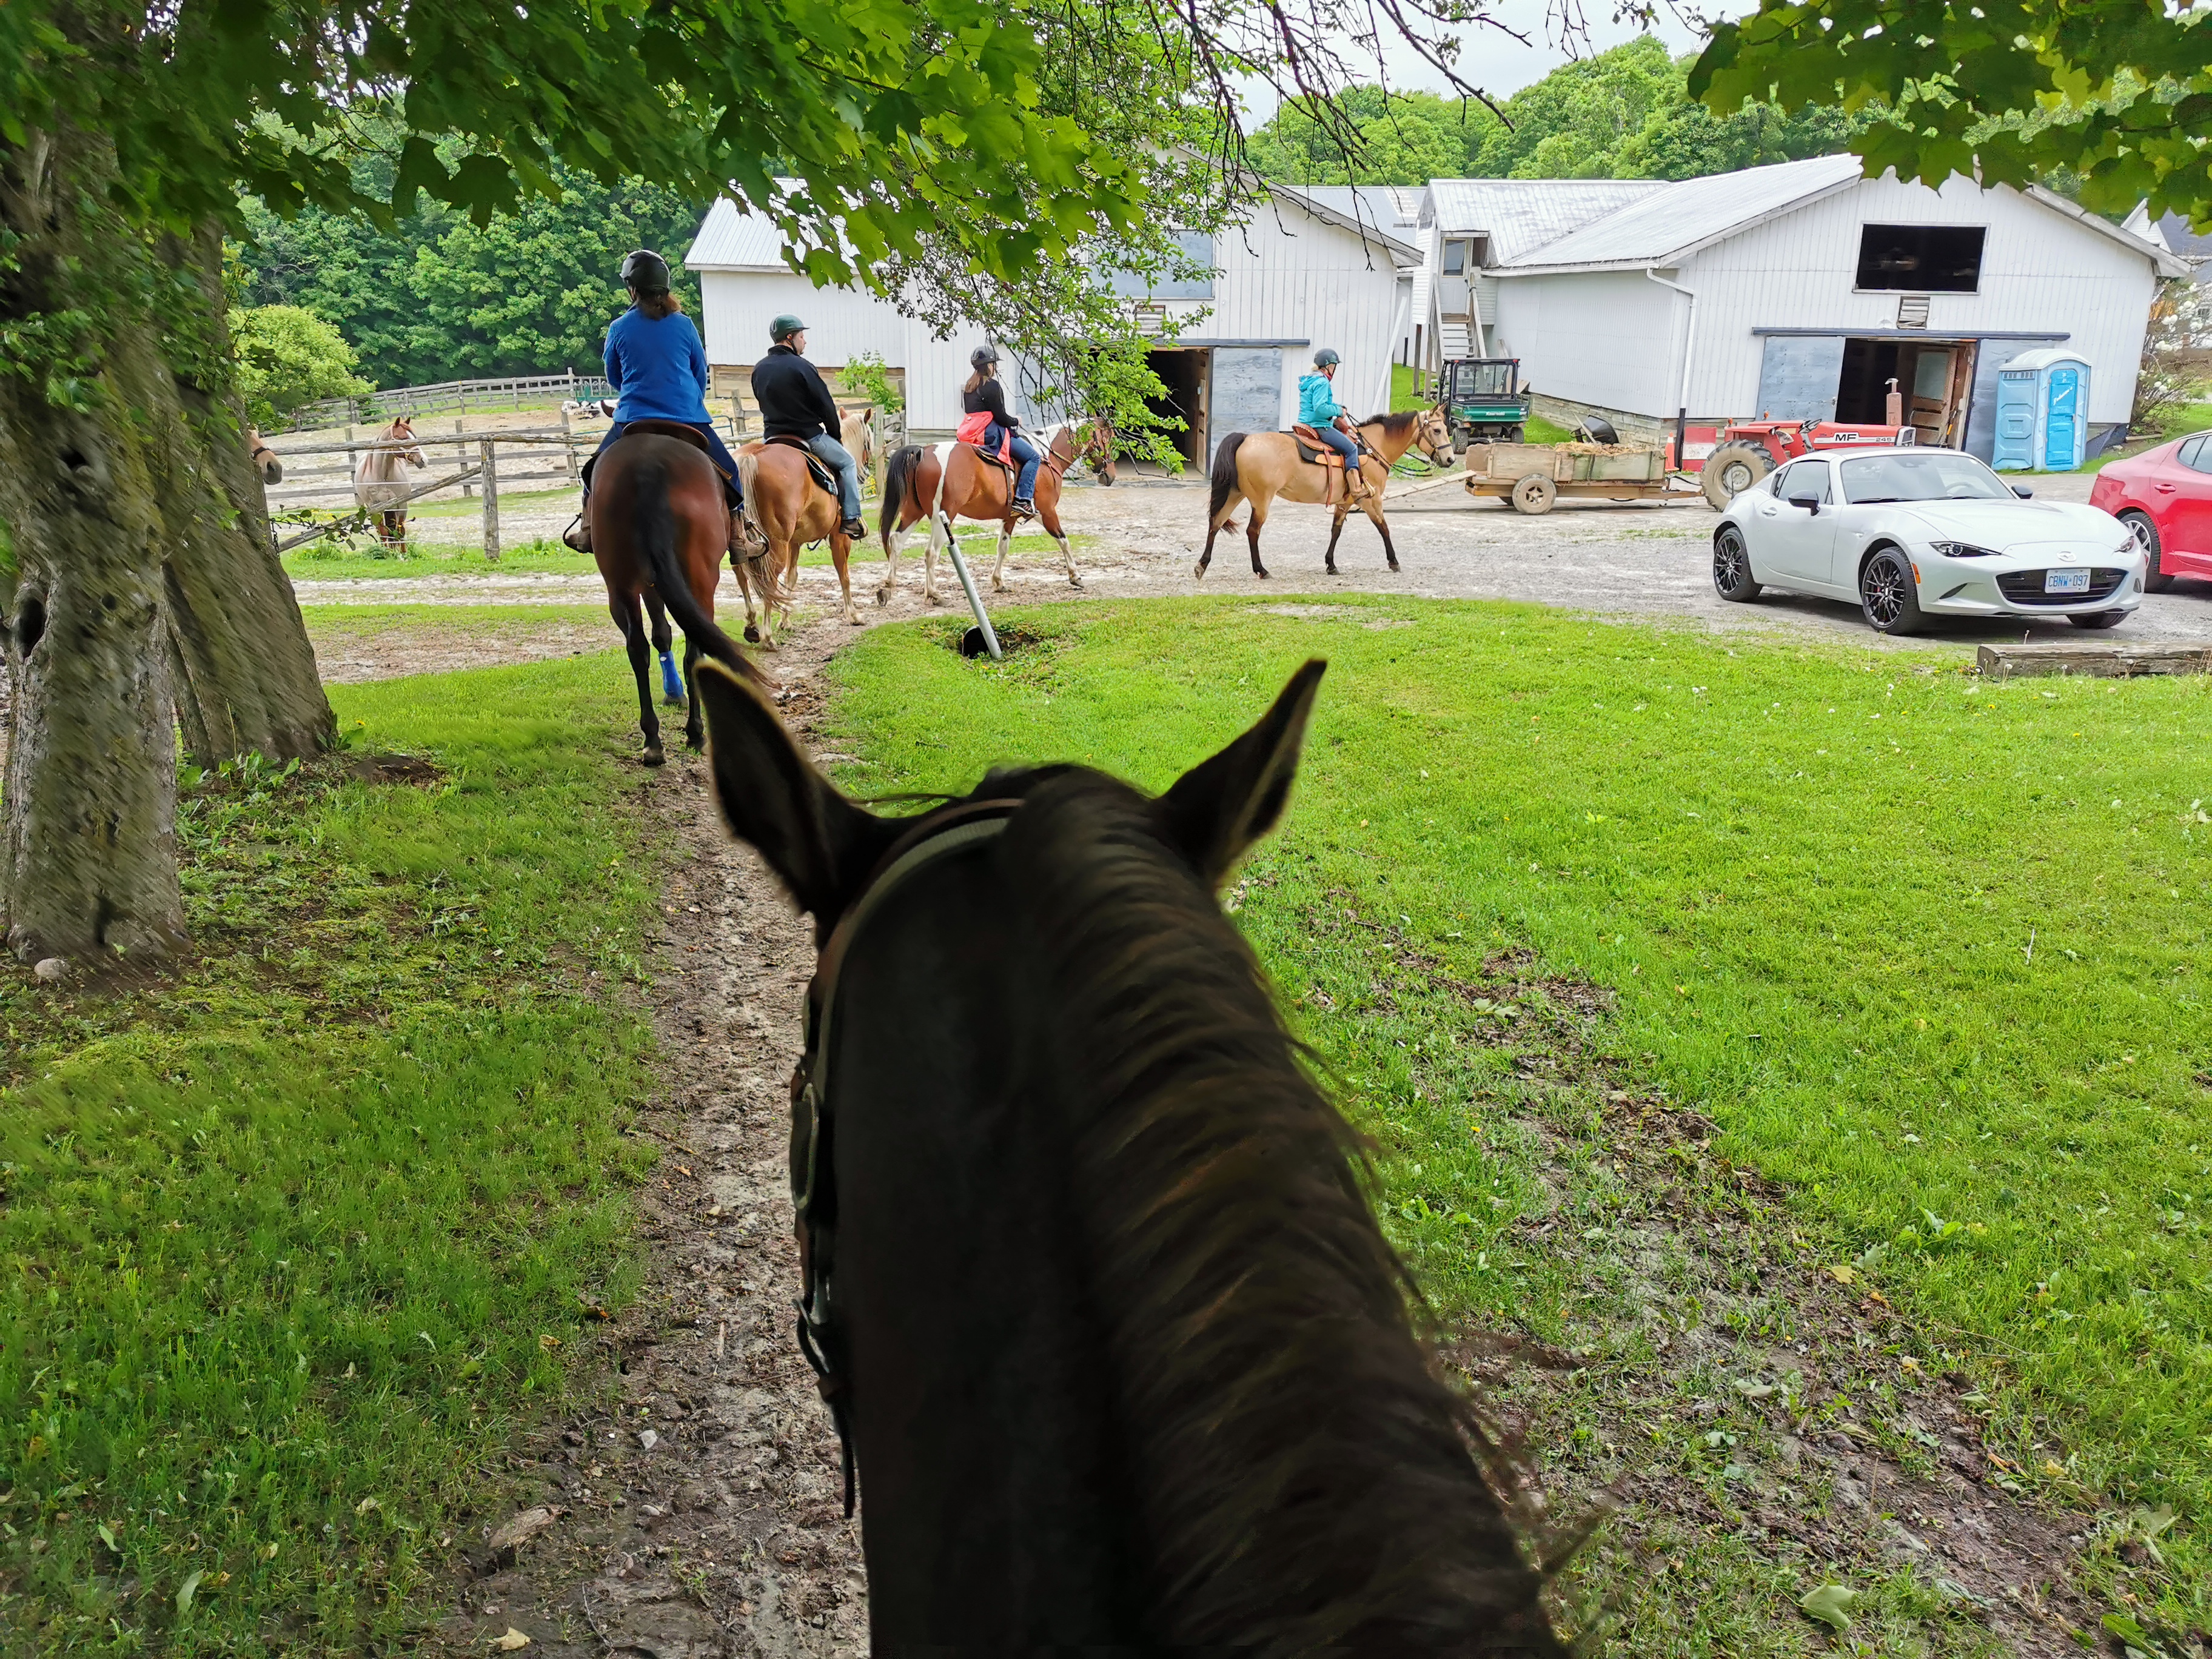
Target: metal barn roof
{"points": [[732, 240], [1519, 215], [1679, 218]]}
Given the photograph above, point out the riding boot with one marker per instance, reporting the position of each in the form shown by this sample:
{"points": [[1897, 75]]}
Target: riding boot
{"points": [[853, 530], [579, 534], [743, 543], [1024, 507]]}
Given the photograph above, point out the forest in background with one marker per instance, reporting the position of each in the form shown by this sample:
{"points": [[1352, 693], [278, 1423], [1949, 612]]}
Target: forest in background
{"points": [[439, 297]]}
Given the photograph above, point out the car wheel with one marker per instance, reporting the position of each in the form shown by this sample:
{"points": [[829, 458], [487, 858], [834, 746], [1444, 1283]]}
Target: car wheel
{"points": [[2100, 618], [1535, 494], [1732, 577], [1889, 595], [1731, 470], [2145, 531]]}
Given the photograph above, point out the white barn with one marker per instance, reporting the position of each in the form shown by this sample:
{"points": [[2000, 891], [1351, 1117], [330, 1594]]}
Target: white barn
{"points": [[1798, 290], [1306, 273]]}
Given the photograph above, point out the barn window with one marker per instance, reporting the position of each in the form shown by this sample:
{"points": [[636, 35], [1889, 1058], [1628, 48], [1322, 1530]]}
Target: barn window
{"points": [[1454, 259], [1926, 258]]}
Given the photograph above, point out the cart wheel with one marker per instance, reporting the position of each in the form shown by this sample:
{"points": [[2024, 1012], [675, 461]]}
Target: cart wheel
{"points": [[1731, 470], [1534, 494]]}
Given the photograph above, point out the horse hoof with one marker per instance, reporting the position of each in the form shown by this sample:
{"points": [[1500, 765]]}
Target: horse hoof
{"points": [[1075, 582], [1198, 572], [883, 598], [852, 616], [752, 634], [673, 702], [653, 756], [1260, 575], [1394, 566]]}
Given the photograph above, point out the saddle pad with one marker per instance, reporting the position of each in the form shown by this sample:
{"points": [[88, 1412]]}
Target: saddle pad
{"points": [[1314, 457], [1005, 462], [824, 477]]}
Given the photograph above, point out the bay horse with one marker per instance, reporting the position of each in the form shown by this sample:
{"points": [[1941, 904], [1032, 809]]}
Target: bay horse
{"points": [[379, 479], [1258, 466], [659, 523], [967, 486], [1122, 1362], [789, 511]]}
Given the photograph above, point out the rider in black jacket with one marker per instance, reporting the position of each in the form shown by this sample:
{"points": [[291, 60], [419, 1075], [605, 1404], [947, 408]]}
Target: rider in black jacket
{"points": [[794, 404]]}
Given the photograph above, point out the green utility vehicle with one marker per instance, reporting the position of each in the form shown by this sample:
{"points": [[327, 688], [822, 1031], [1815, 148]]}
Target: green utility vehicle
{"points": [[1485, 398]]}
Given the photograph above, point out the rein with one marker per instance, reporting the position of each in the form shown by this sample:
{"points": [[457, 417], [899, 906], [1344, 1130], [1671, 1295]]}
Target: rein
{"points": [[813, 1186]]}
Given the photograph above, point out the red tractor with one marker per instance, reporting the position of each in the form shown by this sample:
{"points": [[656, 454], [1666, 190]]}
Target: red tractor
{"points": [[1734, 457]]}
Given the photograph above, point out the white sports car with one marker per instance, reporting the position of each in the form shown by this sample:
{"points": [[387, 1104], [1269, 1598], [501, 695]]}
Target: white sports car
{"points": [[1914, 533]]}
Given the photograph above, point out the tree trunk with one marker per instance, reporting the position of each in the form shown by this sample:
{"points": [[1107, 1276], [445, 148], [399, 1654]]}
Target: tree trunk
{"points": [[139, 584]]}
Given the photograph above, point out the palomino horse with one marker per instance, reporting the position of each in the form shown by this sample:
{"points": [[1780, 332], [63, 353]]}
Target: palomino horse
{"points": [[921, 483], [857, 432], [790, 511], [1122, 1362], [1258, 466], [379, 479], [659, 523]]}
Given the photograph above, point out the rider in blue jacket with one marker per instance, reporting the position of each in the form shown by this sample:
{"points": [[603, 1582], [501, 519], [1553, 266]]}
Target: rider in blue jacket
{"points": [[1331, 421], [657, 370]]}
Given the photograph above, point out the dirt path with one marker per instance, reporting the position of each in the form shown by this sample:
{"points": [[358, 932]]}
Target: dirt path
{"points": [[701, 1506]]}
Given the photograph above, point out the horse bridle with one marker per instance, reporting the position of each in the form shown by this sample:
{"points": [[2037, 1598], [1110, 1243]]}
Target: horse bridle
{"points": [[938, 836], [1060, 467]]}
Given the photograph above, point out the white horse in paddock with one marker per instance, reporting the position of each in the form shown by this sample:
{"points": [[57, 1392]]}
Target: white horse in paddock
{"points": [[379, 479]]}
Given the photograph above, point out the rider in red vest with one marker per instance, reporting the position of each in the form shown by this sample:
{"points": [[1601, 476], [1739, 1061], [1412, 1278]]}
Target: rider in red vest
{"points": [[658, 368]]}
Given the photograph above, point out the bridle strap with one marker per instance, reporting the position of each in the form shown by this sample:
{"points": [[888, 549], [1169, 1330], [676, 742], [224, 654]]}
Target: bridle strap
{"points": [[938, 836]]}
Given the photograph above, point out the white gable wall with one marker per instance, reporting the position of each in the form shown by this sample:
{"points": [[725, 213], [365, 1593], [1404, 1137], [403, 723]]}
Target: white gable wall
{"points": [[2042, 273]]}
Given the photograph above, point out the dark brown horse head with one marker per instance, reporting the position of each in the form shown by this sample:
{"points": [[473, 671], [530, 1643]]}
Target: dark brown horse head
{"points": [[1126, 1360]]}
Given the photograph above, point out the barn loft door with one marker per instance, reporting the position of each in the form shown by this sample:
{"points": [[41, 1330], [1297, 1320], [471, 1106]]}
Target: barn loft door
{"points": [[1247, 395], [1799, 375]]}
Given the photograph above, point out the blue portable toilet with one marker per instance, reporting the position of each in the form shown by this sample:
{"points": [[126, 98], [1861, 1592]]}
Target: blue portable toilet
{"points": [[2042, 412]]}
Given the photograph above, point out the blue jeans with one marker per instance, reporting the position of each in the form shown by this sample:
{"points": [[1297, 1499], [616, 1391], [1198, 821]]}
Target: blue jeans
{"points": [[1342, 443], [724, 462], [839, 459], [1025, 453]]}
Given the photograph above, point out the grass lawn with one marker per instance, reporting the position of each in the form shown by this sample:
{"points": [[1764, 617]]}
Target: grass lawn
{"points": [[1931, 953], [324, 561], [289, 1240]]}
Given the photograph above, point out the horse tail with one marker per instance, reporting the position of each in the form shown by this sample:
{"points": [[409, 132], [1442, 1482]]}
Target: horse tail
{"points": [[1224, 474], [748, 490], [652, 525], [898, 480]]}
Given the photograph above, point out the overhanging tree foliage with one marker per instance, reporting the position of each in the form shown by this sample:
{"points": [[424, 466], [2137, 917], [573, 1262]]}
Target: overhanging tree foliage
{"points": [[940, 136], [2116, 93]]}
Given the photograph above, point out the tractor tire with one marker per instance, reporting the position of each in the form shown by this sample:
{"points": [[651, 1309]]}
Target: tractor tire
{"points": [[1535, 494], [1731, 470]]}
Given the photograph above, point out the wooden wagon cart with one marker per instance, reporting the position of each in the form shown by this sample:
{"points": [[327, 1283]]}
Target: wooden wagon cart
{"points": [[1534, 476]]}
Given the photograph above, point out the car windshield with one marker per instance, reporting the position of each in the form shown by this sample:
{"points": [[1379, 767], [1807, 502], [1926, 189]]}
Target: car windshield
{"points": [[1926, 476]]}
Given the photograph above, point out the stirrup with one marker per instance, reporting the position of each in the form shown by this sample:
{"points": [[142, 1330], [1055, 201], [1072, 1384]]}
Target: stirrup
{"points": [[1024, 506], [578, 535]]}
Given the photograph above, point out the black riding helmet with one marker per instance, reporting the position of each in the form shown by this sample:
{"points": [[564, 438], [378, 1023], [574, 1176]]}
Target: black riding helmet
{"points": [[982, 358], [645, 273]]}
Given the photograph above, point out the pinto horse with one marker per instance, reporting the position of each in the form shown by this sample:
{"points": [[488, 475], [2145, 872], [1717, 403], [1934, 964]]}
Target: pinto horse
{"points": [[659, 523], [1122, 1360], [922, 483], [1258, 466], [379, 479]]}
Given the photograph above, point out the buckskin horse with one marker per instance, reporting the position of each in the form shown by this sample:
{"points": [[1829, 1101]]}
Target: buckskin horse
{"points": [[659, 525], [968, 486], [1121, 1360], [379, 479], [1258, 466]]}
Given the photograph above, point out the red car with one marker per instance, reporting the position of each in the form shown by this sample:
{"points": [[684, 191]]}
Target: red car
{"points": [[2164, 497]]}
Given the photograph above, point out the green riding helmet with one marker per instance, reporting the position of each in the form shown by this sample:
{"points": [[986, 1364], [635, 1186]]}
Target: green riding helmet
{"points": [[1326, 359], [783, 328]]}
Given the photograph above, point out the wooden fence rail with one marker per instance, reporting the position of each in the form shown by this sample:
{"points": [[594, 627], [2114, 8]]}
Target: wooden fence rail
{"points": [[463, 395]]}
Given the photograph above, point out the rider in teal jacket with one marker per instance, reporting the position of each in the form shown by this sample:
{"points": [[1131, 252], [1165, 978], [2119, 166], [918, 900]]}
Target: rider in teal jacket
{"points": [[1331, 421]]}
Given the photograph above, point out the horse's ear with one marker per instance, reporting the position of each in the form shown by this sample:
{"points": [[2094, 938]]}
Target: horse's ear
{"points": [[819, 844], [1218, 808]]}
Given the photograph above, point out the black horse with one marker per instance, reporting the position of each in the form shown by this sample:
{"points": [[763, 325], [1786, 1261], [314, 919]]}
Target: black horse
{"points": [[1122, 1356]]}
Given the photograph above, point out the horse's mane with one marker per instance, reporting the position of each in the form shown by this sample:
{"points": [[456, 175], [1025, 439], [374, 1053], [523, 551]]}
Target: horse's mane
{"points": [[1395, 424], [1305, 1479]]}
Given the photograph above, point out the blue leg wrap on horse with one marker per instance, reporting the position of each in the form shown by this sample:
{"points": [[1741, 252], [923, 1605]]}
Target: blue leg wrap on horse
{"points": [[671, 683]]}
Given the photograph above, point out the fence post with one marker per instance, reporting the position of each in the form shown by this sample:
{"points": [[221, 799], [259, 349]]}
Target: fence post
{"points": [[489, 451], [568, 445], [461, 456]]}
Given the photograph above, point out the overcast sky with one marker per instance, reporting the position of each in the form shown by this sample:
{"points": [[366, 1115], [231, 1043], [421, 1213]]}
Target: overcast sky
{"points": [[1501, 65]]}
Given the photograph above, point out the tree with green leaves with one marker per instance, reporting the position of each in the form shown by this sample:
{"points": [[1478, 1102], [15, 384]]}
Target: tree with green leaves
{"points": [[288, 356], [2116, 94], [945, 146]]}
